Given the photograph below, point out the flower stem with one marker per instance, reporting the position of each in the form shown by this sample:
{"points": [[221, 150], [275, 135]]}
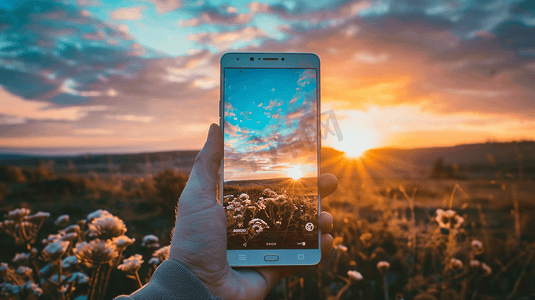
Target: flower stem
{"points": [[138, 279], [342, 290], [386, 287]]}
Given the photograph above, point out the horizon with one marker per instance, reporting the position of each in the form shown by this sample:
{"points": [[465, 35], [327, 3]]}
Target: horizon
{"points": [[81, 77], [4, 152]]}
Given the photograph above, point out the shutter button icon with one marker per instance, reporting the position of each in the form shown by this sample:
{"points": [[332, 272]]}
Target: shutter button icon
{"points": [[309, 226], [301, 256]]}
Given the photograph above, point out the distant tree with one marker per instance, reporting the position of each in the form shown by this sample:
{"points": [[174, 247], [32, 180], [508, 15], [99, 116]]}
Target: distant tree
{"points": [[44, 170], [11, 174], [441, 170], [169, 185]]}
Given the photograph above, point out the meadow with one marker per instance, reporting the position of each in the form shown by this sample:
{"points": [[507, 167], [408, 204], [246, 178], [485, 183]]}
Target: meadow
{"points": [[445, 234]]}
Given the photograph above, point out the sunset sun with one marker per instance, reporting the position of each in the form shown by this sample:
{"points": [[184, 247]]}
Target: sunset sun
{"points": [[356, 141], [295, 173]]}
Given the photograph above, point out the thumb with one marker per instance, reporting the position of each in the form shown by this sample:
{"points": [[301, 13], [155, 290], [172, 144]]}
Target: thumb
{"points": [[203, 179]]}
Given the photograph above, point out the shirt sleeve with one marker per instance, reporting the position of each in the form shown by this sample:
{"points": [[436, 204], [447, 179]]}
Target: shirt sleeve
{"points": [[172, 280]]}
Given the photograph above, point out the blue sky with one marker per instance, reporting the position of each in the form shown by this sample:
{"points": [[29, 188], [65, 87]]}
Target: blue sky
{"points": [[95, 76], [269, 122]]}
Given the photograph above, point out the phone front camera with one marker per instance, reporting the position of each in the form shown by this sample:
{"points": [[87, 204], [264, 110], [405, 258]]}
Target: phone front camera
{"points": [[282, 59], [252, 58], [237, 59]]}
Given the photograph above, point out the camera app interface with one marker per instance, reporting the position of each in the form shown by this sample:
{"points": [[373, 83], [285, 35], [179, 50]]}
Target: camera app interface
{"points": [[270, 188]]}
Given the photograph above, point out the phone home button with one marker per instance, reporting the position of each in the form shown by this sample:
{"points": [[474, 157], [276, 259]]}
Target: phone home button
{"points": [[271, 257]]}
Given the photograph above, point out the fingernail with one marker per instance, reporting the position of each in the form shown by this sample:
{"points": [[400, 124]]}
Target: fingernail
{"points": [[211, 132]]}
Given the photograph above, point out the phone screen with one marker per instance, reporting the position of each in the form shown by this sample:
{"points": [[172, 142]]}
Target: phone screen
{"points": [[270, 164]]}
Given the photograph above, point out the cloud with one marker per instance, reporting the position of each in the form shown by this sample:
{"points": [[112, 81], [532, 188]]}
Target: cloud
{"points": [[131, 118], [224, 40], [163, 6], [130, 13], [17, 110]]}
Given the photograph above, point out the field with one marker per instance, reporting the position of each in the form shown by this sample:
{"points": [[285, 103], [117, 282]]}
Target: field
{"points": [[442, 234], [263, 214]]}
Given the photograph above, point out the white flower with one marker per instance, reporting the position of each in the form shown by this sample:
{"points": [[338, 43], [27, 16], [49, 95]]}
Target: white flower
{"points": [[150, 241], [18, 214], [449, 219], [131, 264], [21, 258], [62, 221], [78, 277], [97, 214], [354, 276], [123, 241], [106, 227], [477, 247], [487, 271], [474, 264], [69, 261], [96, 252], [383, 266], [456, 263], [341, 248], [54, 250], [24, 271], [244, 196]]}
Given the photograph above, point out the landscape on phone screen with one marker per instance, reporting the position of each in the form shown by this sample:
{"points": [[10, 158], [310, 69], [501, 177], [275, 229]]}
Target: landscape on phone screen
{"points": [[270, 190]]}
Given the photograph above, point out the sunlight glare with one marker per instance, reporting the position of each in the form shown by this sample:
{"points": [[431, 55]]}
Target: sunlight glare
{"points": [[356, 141], [295, 173]]}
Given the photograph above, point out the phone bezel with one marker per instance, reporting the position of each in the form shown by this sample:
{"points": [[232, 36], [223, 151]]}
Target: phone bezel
{"points": [[287, 257]]}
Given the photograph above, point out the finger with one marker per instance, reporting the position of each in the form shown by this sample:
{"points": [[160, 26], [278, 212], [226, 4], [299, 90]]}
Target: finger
{"points": [[204, 176], [325, 222], [326, 245], [328, 184]]}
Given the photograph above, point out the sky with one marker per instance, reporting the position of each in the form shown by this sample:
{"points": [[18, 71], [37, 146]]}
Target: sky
{"points": [[270, 123], [96, 76]]}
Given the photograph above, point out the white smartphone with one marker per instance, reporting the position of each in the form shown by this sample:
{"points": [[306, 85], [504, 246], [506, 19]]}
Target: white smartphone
{"points": [[270, 117]]}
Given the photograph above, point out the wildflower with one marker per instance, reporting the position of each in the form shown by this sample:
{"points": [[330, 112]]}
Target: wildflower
{"points": [[477, 247], [230, 207], [383, 266], [487, 271], [62, 221], [474, 264], [449, 219], [69, 237], [24, 271], [257, 225], [96, 252], [123, 241], [70, 229], [97, 214], [9, 289], [3, 269], [162, 253], [69, 261], [150, 241], [18, 214], [354, 276], [55, 277], [238, 216], [21, 258], [244, 196], [154, 261], [269, 193], [341, 248], [78, 277], [131, 264], [33, 287], [51, 239], [106, 227], [55, 250], [38, 217], [456, 264]]}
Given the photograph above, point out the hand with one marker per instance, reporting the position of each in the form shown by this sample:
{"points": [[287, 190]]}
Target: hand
{"points": [[200, 235]]}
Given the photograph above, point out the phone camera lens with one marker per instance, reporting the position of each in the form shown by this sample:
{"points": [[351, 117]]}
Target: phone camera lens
{"points": [[282, 59], [252, 58], [237, 59]]}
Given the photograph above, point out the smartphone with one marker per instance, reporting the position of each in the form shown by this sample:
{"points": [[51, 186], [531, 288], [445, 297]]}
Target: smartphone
{"points": [[270, 117]]}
